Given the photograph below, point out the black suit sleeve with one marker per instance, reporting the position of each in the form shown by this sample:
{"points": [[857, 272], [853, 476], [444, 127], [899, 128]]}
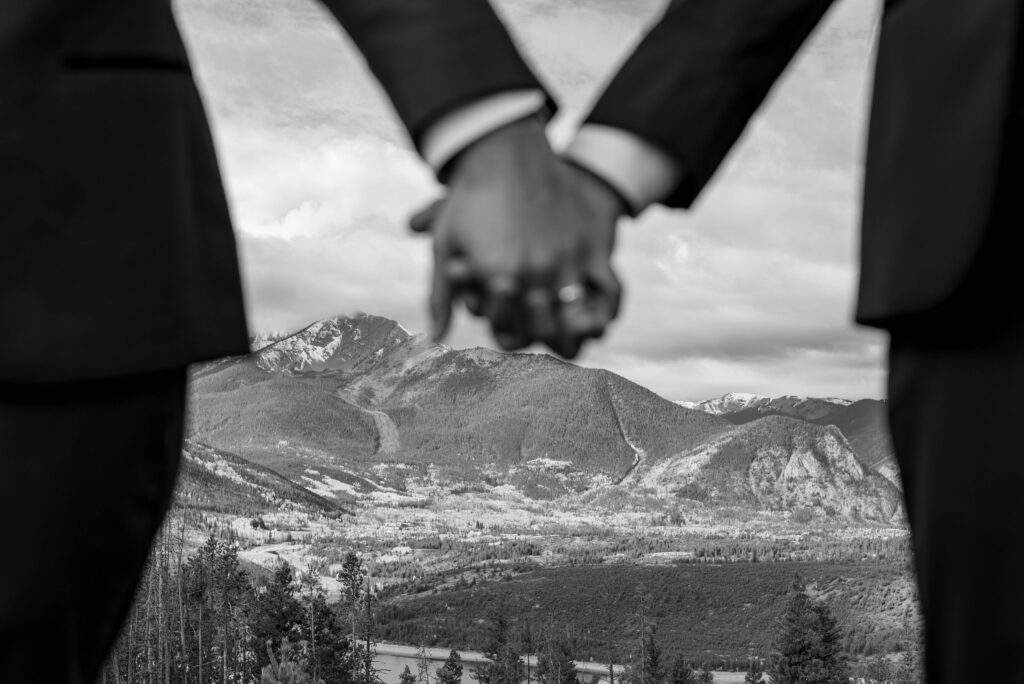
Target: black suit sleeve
{"points": [[432, 56], [699, 75]]}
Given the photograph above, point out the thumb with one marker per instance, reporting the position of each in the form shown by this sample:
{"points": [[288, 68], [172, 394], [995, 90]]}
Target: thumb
{"points": [[423, 220]]}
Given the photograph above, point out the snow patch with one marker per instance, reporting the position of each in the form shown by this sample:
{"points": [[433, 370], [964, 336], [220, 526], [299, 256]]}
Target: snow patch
{"points": [[327, 486]]}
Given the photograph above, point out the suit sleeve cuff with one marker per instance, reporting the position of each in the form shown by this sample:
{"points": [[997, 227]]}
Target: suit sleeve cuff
{"points": [[640, 172], [453, 133]]}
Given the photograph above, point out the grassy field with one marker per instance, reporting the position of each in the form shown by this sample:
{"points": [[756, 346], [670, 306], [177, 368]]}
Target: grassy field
{"points": [[710, 613]]}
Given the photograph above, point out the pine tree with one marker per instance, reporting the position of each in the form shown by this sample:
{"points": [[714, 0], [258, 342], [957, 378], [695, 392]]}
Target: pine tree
{"points": [[275, 614], [680, 672], [451, 671], [648, 667], [808, 645], [406, 677], [555, 664], [364, 651], [504, 665], [911, 667], [755, 672], [325, 637], [878, 671]]}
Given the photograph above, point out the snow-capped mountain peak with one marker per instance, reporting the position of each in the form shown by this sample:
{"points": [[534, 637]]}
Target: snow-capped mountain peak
{"points": [[339, 342], [727, 403], [789, 404]]}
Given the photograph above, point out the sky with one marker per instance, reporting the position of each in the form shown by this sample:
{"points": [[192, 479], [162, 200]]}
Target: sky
{"points": [[752, 290]]}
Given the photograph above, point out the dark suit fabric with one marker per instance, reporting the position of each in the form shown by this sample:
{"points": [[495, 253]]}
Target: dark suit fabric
{"points": [[88, 473], [938, 120], [954, 415], [119, 254], [954, 380], [119, 268], [938, 264]]}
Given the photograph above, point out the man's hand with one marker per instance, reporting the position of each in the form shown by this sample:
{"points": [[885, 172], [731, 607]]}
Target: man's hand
{"points": [[526, 239]]}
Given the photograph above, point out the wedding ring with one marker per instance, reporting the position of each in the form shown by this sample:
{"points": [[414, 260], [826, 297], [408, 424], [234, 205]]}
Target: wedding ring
{"points": [[572, 293]]}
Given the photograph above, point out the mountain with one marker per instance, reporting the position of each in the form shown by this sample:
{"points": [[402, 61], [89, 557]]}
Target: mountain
{"points": [[738, 407], [864, 423], [781, 464], [356, 408], [260, 340], [356, 390], [215, 480]]}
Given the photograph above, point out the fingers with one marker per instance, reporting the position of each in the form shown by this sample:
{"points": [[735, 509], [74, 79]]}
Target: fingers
{"points": [[423, 220], [450, 273], [500, 300], [441, 295], [563, 319], [462, 280], [540, 314], [588, 301], [606, 287], [507, 313], [569, 301]]}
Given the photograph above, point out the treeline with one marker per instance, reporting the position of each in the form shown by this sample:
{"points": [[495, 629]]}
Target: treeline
{"points": [[506, 558], [807, 648], [723, 611], [205, 619]]}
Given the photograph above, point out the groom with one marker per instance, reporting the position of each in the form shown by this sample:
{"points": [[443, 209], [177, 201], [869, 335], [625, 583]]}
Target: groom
{"points": [[938, 264], [118, 268]]}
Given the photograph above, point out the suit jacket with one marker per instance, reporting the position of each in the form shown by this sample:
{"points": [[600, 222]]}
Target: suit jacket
{"points": [[943, 96], [117, 251]]}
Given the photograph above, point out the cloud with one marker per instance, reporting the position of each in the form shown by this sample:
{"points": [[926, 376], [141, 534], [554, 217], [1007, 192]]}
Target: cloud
{"points": [[291, 282], [751, 291]]}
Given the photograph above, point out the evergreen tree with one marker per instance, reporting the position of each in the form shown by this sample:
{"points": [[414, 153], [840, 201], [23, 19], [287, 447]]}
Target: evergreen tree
{"points": [[911, 668], [808, 645], [351, 577], [451, 671], [406, 677], [878, 672], [648, 667], [755, 672], [324, 636], [275, 614], [364, 651], [680, 672], [555, 664], [504, 664], [217, 591]]}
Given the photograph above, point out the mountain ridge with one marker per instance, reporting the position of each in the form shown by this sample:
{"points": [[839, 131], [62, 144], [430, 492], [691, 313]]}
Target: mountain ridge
{"points": [[358, 398]]}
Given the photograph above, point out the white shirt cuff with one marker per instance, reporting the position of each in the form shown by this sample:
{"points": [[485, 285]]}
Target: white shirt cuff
{"points": [[458, 130], [641, 172]]}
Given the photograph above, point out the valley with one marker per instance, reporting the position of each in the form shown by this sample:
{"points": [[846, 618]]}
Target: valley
{"points": [[466, 479], [387, 436]]}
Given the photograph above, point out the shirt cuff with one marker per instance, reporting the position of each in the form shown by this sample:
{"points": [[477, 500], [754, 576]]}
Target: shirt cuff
{"points": [[458, 130], [641, 172]]}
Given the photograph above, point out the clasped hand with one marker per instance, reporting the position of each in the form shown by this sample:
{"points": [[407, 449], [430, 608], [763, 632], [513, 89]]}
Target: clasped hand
{"points": [[524, 239]]}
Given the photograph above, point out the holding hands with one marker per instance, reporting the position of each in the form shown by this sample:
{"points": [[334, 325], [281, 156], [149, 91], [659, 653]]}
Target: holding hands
{"points": [[524, 239]]}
